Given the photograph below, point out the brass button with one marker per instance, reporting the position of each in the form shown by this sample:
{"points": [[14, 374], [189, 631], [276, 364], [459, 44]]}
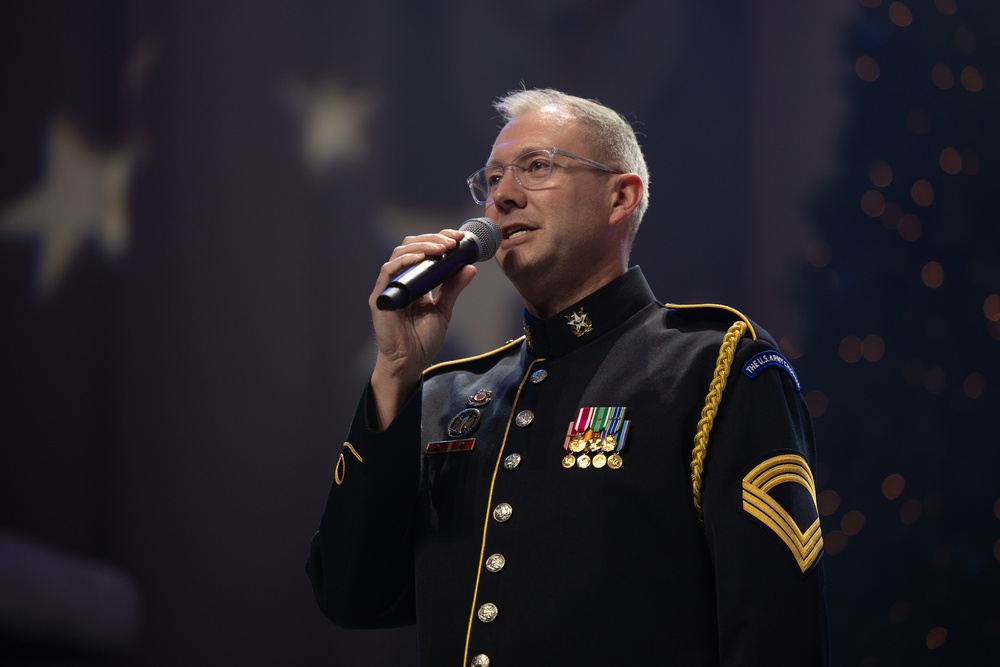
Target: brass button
{"points": [[524, 417], [539, 376], [512, 461], [495, 563], [481, 660], [502, 512], [487, 613]]}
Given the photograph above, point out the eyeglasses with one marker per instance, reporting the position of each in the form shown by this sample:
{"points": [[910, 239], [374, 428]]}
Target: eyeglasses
{"points": [[530, 169]]}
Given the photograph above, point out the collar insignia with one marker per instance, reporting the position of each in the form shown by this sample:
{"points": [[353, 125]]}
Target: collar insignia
{"points": [[580, 323], [527, 335]]}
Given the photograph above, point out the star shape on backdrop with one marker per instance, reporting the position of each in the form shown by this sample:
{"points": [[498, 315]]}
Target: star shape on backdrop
{"points": [[486, 315], [333, 122], [83, 196]]}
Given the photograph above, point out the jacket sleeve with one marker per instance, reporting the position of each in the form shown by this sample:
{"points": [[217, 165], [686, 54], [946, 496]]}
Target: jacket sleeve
{"points": [[361, 559], [761, 519]]}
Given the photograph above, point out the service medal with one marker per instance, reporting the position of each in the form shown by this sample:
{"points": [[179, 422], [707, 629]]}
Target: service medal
{"points": [[600, 460], [583, 461], [568, 461], [614, 461]]}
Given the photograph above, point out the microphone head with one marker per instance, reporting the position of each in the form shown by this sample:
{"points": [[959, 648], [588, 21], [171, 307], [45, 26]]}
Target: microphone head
{"points": [[486, 234]]}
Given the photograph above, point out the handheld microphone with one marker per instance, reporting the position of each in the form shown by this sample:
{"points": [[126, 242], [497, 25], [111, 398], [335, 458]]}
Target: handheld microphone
{"points": [[482, 238]]}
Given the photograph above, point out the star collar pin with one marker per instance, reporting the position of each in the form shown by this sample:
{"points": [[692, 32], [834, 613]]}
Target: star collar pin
{"points": [[579, 323]]}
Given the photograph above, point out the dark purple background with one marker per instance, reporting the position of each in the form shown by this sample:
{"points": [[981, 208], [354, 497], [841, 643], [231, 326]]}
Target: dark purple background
{"points": [[175, 410]]}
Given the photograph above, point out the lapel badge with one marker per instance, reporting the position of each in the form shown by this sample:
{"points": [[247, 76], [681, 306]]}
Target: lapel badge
{"points": [[596, 438], [480, 398], [579, 323], [464, 423]]}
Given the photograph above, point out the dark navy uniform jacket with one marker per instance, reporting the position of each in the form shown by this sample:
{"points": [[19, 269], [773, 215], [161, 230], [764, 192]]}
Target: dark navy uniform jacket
{"points": [[472, 516]]}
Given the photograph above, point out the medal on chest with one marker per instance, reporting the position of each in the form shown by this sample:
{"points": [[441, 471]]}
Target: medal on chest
{"points": [[596, 438]]}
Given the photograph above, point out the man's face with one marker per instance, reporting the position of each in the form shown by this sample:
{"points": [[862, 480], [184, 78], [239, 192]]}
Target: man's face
{"points": [[557, 236]]}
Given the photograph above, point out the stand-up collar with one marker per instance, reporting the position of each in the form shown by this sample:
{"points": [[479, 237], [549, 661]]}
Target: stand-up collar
{"points": [[589, 318]]}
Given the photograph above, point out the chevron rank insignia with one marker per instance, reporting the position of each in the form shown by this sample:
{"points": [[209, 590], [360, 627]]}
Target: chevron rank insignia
{"points": [[781, 494]]}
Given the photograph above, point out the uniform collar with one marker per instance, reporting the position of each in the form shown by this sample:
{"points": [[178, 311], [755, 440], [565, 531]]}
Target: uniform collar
{"points": [[590, 318]]}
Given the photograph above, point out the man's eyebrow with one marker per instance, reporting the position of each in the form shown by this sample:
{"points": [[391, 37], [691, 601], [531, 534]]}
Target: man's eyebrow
{"points": [[495, 163]]}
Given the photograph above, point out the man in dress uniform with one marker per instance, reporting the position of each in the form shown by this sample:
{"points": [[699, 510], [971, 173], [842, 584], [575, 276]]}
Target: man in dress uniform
{"points": [[628, 483]]}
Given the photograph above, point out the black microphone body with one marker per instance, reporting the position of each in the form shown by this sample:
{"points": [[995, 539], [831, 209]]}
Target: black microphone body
{"points": [[482, 238]]}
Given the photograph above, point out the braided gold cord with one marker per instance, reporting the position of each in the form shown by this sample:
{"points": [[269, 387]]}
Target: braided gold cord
{"points": [[722, 367]]}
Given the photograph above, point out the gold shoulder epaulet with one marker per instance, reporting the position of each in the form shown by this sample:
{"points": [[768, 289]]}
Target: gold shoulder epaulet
{"points": [[717, 310]]}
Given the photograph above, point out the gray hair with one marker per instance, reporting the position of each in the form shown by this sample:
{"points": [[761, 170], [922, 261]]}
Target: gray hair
{"points": [[613, 138]]}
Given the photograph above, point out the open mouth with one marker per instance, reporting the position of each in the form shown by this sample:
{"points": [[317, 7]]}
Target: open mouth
{"points": [[514, 232]]}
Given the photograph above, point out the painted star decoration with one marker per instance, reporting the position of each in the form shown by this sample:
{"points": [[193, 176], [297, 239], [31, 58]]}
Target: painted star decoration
{"points": [[333, 121], [83, 196]]}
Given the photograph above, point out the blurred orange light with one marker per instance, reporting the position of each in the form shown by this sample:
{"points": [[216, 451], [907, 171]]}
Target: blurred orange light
{"points": [[932, 274], [819, 254], [945, 6], [900, 14], [850, 349], [872, 348], [867, 69], [873, 203], [852, 523], [880, 174], [834, 542], [828, 501], [974, 385], [972, 80], [910, 511], [893, 485], [922, 193], [991, 307], [950, 161], [942, 77], [936, 638]]}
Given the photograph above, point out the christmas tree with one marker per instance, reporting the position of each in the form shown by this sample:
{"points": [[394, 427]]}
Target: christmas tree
{"points": [[902, 352]]}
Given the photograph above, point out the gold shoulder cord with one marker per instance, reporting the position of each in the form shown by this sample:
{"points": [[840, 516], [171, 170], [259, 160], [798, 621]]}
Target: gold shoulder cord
{"points": [[722, 367]]}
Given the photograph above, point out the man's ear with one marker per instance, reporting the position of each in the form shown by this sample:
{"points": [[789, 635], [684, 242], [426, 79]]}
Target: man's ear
{"points": [[626, 196]]}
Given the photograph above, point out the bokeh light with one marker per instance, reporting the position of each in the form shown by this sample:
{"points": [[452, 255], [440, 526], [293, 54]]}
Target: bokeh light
{"points": [[900, 14], [867, 69], [893, 486], [932, 274], [950, 161], [922, 193], [942, 76], [936, 638]]}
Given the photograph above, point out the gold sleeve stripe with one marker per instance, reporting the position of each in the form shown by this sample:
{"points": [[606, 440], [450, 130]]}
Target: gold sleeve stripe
{"points": [[341, 467], [784, 469]]}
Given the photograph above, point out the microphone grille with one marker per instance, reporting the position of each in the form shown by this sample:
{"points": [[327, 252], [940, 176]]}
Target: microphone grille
{"points": [[487, 235]]}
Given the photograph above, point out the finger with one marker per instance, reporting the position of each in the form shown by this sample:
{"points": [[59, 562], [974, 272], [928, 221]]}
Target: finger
{"points": [[451, 288]]}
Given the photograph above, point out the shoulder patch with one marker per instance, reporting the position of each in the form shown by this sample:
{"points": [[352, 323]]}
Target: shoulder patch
{"points": [[716, 311], [770, 359]]}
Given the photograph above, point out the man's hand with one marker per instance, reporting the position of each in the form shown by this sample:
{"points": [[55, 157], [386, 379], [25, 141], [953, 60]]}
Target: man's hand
{"points": [[408, 339]]}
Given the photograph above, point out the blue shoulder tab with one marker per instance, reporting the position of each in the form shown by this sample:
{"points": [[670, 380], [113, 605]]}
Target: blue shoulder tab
{"points": [[770, 359]]}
